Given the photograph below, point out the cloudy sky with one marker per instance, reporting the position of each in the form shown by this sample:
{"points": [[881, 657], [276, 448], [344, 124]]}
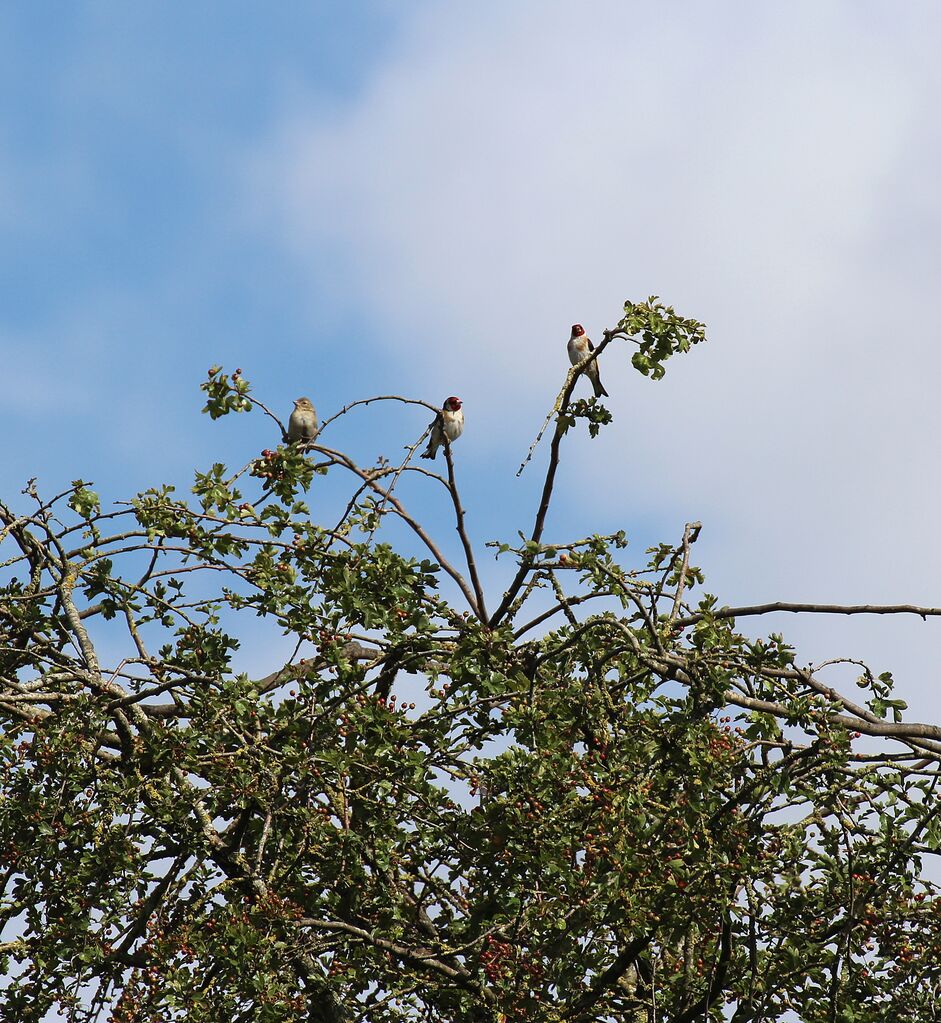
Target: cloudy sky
{"points": [[421, 197]]}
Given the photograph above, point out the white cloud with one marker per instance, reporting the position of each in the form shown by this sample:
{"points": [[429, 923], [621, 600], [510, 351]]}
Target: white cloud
{"points": [[767, 169]]}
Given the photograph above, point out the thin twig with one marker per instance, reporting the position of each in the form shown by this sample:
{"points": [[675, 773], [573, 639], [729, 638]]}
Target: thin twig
{"points": [[462, 532], [368, 401], [416, 527], [560, 408], [268, 412], [562, 399]]}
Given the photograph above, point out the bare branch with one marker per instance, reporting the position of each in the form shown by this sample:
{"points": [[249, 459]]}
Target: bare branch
{"points": [[462, 532], [267, 412], [368, 401], [560, 408], [826, 609], [416, 527], [690, 536]]}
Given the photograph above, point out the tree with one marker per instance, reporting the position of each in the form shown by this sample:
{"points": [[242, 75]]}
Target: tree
{"points": [[587, 798]]}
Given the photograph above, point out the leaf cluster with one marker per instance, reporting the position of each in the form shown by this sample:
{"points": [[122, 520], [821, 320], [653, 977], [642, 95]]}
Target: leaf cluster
{"points": [[258, 765]]}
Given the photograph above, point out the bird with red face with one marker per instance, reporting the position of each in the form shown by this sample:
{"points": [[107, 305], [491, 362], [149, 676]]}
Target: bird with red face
{"points": [[579, 348], [449, 424]]}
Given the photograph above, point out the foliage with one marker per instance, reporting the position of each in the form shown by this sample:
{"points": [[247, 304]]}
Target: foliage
{"points": [[602, 801], [662, 334]]}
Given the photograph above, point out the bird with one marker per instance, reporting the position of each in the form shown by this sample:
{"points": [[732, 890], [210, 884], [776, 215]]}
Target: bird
{"points": [[449, 423], [303, 424], [579, 347]]}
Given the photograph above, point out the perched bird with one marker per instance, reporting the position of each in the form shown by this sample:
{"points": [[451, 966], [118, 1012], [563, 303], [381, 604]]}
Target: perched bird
{"points": [[449, 423], [303, 424], [579, 347]]}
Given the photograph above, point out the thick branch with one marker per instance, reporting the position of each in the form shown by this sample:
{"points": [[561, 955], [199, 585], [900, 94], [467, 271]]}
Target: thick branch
{"points": [[929, 736], [606, 980], [415, 956], [827, 609], [716, 982]]}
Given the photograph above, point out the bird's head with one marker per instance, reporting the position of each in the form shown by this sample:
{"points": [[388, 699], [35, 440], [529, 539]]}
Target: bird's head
{"points": [[577, 330], [452, 404], [303, 404]]}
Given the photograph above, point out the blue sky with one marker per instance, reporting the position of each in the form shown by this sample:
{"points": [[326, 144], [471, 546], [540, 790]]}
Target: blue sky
{"points": [[127, 262], [346, 199]]}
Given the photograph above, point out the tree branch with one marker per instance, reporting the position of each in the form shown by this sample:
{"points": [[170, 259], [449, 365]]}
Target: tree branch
{"points": [[606, 980], [827, 609], [462, 532], [690, 536], [415, 526], [561, 427]]}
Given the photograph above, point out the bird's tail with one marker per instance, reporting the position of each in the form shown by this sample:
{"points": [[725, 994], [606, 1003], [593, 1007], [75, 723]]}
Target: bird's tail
{"points": [[600, 392]]}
